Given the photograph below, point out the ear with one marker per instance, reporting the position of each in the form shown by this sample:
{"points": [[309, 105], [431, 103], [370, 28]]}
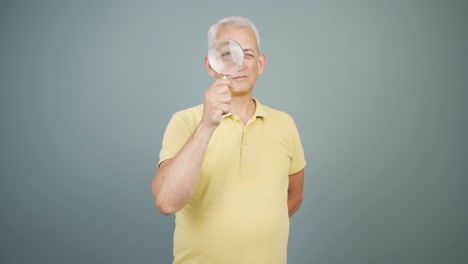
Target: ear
{"points": [[208, 68], [262, 59]]}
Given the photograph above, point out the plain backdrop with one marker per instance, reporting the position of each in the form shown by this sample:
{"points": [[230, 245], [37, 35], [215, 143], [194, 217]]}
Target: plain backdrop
{"points": [[378, 90]]}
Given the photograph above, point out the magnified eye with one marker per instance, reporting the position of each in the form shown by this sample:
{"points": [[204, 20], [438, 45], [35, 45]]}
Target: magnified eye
{"points": [[226, 54]]}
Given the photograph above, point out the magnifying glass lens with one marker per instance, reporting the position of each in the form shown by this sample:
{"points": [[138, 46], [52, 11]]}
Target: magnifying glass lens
{"points": [[225, 56]]}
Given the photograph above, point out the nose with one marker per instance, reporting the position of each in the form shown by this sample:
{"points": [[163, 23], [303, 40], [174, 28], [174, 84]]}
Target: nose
{"points": [[242, 67]]}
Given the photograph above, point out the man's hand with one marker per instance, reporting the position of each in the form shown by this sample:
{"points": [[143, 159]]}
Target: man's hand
{"points": [[217, 102]]}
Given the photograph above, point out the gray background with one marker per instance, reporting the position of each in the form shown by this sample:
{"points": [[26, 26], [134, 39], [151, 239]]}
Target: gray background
{"points": [[377, 88]]}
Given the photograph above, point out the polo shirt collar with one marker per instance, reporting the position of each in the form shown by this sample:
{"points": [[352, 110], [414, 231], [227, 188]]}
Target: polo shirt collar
{"points": [[259, 110]]}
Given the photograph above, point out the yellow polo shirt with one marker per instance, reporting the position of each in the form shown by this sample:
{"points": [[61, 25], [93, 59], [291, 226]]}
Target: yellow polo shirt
{"points": [[238, 213]]}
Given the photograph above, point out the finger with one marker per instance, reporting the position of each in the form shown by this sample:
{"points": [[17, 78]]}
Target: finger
{"points": [[223, 82], [226, 109], [226, 98]]}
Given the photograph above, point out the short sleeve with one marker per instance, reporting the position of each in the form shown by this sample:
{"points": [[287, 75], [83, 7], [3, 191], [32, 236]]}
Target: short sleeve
{"points": [[175, 136], [298, 161]]}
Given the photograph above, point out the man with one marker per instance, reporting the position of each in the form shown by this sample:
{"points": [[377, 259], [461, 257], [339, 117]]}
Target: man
{"points": [[231, 169]]}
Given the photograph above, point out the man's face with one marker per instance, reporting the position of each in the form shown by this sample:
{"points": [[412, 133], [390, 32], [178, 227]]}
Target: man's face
{"points": [[244, 79]]}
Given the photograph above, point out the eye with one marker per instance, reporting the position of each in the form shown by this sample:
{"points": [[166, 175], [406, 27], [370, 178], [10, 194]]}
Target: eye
{"points": [[248, 55], [225, 54]]}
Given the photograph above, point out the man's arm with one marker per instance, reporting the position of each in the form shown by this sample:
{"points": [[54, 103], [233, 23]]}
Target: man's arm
{"points": [[295, 191], [176, 179]]}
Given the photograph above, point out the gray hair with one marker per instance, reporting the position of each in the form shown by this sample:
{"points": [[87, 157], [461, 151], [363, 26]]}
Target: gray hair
{"points": [[234, 21]]}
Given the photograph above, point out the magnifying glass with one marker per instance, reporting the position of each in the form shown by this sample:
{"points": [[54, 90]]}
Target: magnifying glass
{"points": [[225, 56]]}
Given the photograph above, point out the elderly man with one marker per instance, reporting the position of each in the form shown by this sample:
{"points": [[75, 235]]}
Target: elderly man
{"points": [[231, 169]]}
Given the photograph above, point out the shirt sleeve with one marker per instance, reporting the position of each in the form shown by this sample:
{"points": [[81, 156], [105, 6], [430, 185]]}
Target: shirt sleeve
{"points": [[176, 135], [298, 161]]}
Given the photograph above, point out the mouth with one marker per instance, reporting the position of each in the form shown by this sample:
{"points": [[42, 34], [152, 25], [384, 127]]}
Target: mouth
{"points": [[239, 77]]}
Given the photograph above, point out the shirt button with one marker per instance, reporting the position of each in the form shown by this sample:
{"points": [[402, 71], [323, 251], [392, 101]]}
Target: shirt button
{"points": [[245, 146]]}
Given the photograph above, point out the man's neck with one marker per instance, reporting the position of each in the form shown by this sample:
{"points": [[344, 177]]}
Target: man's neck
{"points": [[243, 107]]}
